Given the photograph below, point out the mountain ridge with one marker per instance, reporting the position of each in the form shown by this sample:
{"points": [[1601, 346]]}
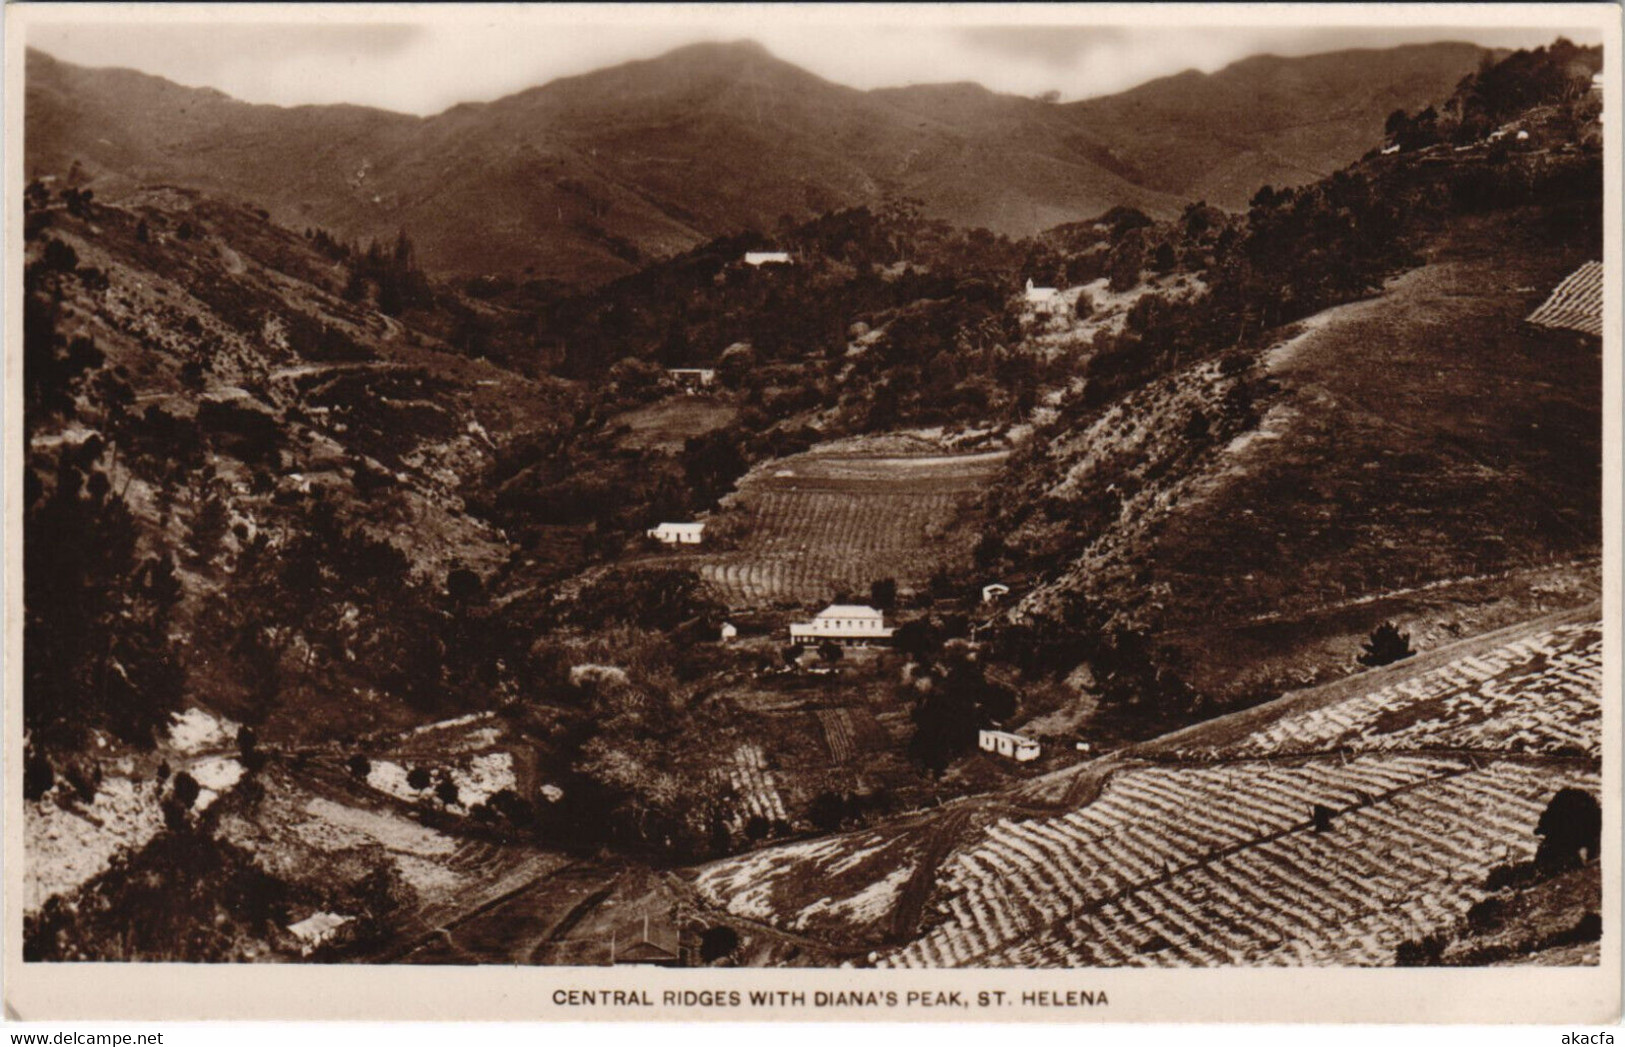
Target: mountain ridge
{"points": [[584, 178]]}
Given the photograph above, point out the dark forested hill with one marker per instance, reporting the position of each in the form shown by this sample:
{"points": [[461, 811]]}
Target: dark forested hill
{"points": [[585, 178]]}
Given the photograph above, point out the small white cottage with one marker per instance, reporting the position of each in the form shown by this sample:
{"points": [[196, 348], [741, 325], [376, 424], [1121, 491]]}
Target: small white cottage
{"points": [[1014, 746], [678, 533]]}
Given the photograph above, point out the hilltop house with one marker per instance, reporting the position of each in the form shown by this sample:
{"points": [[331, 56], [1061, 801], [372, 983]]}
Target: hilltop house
{"points": [[767, 257], [1015, 746], [994, 591], [692, 379], [678, 533], [844, 624], [1042, 297]]}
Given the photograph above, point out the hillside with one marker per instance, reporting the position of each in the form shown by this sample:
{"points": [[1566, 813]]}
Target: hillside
{"points": [[1265, 120], [1417, 453], [1206, 848], [581, 179]]}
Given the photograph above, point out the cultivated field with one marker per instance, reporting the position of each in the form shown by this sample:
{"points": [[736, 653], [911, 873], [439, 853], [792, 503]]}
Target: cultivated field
{"points": [[824, 523], [1213, 866], [1202, 849]]}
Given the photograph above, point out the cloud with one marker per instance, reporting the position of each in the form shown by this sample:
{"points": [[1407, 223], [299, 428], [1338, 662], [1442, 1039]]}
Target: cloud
{"points": [[1061, 47]]}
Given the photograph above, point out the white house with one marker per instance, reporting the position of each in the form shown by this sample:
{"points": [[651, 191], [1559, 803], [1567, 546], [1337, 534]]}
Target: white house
{"points": [[994, 591], [842, 623], [1046, 297], [729, 631], [678, 533], [692, 378], [1017, 747], [767, 257], [316, 930]]}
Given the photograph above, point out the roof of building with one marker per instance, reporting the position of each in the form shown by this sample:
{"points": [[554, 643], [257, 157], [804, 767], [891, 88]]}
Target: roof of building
{"points": [[849, 610], [1576, 304], [318, 925], [758, 257], [1013, 736], [698, 525]]}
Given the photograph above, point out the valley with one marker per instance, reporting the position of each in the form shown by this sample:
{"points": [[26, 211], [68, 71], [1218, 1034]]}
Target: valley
{"points": [[1193, 559]]}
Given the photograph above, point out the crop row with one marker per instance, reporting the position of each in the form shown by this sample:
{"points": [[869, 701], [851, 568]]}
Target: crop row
{"points": [[756, 786], [804, 544], [1539, 694], [1212, 866], [837, 727]]}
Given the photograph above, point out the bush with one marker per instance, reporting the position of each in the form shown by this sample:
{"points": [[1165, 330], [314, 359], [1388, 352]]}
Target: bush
{"points": [[447, 792], [418, 778], [1570, 829], [359, 766], [1385, 646]]}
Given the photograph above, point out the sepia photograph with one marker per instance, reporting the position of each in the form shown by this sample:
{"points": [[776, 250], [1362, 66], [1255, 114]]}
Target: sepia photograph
{"points": [[812, 489]]}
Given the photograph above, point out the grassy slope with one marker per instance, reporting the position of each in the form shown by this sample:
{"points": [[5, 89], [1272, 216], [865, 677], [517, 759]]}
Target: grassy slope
{"points": [[1432, 436]]}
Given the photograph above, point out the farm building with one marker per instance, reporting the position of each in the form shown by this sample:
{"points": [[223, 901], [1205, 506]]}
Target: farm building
{"points": [[994, 591], [654, 945], [767, 258], [678, 533], [692, 378], [1017, 747], [729, 631], [842, 623], [1576, 303]]}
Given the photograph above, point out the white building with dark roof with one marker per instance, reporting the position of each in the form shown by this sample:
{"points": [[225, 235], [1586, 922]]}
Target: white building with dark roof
{"points": [[842, 623]]}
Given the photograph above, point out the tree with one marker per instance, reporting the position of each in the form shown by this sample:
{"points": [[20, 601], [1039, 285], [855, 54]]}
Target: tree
{"points": [[718, 942], [418, 778], [1570, 828], [37, 775], [185, 790], [827, 810], [447, 791], [830, 652], [1385, 646], [883, 593], [359, 766]]}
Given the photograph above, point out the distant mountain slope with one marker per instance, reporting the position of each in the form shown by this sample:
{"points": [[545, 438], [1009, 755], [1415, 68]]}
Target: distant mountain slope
{"points": [[1266, 120], [584, 177]]}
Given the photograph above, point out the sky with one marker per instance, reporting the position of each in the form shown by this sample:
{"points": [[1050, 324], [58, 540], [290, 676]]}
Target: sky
{"points": [[424, 65]]}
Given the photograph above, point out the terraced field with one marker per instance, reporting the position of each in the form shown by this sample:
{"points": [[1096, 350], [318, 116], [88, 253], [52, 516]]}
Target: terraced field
{"points": [[1217, 866], [1326, 830], [823, 522], [1536, 694]]}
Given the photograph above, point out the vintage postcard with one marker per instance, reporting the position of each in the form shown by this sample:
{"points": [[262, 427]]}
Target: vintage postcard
{"points": [[737, 512]]}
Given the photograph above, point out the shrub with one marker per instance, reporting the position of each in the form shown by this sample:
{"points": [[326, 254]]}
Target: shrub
{"points": [[359, 766], [1570, 829], [1385, 646], [418, 778], [447, 792]]}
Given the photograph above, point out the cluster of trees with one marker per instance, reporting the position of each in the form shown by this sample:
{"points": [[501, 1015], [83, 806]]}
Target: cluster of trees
{"points": [[1500, 90]]}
